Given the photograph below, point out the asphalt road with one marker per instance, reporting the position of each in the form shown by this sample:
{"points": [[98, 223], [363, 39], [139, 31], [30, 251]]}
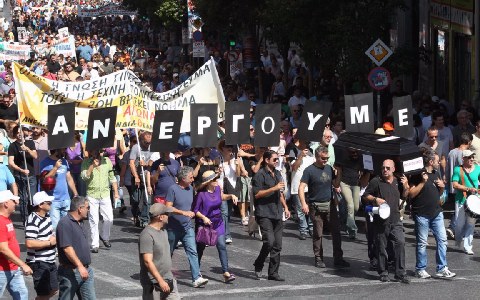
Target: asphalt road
{"points": [[117, 269]]}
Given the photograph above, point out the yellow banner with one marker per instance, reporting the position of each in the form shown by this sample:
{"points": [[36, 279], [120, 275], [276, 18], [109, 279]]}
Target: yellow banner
{"points": [[136, 103]]}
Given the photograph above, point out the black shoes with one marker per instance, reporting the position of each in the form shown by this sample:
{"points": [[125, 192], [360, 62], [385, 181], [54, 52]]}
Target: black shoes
{"points": [[384, 278], [319, 263], [402, 279], [276, 278], [258, 273], [341, 263], [302, 236], [94, 250], [107, 244]]}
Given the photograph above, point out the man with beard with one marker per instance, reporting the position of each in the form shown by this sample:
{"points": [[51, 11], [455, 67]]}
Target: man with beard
{"points": [[57, 166]]}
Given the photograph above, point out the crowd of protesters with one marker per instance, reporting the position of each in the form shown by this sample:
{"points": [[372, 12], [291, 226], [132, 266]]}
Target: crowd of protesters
{"points": [[59, 188]]}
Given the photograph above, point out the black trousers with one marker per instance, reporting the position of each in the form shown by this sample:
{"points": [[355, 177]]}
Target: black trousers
{"points": [[387, 232], [272, 231]]}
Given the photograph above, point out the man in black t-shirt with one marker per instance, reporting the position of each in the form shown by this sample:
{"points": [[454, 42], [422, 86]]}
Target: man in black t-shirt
{"points": [[425, 191], [24, 173], [385, 189], [8, 110]]}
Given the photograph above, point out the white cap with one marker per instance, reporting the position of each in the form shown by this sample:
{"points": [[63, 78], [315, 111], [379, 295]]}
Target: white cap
{"points": [[7, 195], [41, 197]]}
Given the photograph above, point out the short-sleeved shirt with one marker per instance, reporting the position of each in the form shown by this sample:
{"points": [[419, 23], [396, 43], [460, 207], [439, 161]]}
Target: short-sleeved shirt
{"points": [[40, 228], [268, 206], [298, 173], [128, 174], [459, 196], [390, 192], [166, 178], [136, 152], [7, 234], [426, 203], [8, 113], [72, 233], [60, 192], [6, 178], [155, 242], [181, 199], [17, 153], [319, 182]]}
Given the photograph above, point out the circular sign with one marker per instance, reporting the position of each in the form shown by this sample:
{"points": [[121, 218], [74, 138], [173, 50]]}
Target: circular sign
{"points": [[379, 78], [232, 56], [197, 36]]}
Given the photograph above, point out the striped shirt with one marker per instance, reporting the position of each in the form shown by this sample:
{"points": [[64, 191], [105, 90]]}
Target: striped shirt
{"points": [[40, 228]]}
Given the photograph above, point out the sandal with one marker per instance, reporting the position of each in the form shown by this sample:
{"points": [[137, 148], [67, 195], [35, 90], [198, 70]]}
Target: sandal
{"points": [[229, 278]]}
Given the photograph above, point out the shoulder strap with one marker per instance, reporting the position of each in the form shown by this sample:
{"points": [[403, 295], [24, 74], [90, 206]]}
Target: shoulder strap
{"points": [[468, 176], [462, 178]]}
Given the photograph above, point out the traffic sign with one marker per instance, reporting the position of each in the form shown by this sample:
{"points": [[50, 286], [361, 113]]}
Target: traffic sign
{"points": [[379, 52], [233, 56], [379, 78], [197, 36]]}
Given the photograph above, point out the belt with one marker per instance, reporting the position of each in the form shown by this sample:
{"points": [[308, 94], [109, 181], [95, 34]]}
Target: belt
{"points": [[72, 266]]}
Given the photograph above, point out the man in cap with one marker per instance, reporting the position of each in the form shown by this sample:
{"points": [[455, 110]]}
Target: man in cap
{"points": [[11, 266], [155, 261], [75, 276], [41, 247]]}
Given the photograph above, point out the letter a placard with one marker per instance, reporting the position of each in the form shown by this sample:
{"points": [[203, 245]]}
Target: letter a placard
{"points": [[314, 118], [166, 130], [61, 125], [101, 128], [359, 113]]}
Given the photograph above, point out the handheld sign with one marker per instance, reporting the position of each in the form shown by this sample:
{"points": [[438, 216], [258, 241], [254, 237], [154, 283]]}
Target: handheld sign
{"points": [[267, 125], [359, 113], [237, 122], [61, 125], [101, 128], [314, 118], [166, 130], [203, 122]]}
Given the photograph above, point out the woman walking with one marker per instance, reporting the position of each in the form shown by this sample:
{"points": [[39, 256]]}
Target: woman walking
{"points": [[207, 211]]}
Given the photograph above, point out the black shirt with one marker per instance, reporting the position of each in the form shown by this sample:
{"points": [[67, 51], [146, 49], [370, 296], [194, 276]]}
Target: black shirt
{"points": [[390, 192], [270, 205], [8, 113], [249, 163], [17, 153], [426, 203], [72, 233]]}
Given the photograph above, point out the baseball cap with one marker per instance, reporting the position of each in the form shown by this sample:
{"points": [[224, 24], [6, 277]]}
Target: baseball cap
{"points": [[467, 153], [7, 195], [159, 209], [41, 197], [388, 126]]}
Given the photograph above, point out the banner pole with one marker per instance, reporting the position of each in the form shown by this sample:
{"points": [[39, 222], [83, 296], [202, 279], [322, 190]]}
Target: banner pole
{"points": [[141, 167], [24, 156]]}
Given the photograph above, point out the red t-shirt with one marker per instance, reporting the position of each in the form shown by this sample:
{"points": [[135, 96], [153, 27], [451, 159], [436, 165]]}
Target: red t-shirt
{"points": [[7, 234]]}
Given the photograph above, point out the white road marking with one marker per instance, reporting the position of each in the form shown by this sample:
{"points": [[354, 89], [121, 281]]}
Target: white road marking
{"points": [[116, 281]]}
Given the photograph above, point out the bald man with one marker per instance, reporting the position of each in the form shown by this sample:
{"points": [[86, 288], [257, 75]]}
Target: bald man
{"points": [[386, 189]]}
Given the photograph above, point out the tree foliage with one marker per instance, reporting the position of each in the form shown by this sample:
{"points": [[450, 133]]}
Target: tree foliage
{"points": [[168, 13]]}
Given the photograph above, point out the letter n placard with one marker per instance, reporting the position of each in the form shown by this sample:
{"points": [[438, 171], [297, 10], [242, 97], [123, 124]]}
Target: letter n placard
{"points": [[359, 113], [101, 128]]}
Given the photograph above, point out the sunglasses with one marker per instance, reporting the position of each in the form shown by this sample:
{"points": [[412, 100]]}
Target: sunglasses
{"points": [[470, 157], [275, 159], [386, 168]]}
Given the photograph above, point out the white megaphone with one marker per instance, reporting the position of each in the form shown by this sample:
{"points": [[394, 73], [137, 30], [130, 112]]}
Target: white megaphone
{"points": [[383, 211]]}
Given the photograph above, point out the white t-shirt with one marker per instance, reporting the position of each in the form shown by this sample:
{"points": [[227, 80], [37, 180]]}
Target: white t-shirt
{"points": [[297, 175], [475, 147]]}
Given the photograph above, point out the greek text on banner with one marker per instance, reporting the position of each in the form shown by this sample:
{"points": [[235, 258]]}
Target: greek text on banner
{"points": [[136, 103]]}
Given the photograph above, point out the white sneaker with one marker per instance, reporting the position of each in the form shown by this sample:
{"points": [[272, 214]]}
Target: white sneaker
{"points": [[245, 221], [423, 274], [445, 273], [469, 252], [199, 282], [228, 241]]}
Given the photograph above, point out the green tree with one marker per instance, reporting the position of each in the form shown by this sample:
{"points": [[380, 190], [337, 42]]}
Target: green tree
{"points": [[169, 13]]}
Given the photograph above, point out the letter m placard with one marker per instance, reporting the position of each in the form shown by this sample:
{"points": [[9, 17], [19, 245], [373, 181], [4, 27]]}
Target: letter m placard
{"points": [[359, 113]]}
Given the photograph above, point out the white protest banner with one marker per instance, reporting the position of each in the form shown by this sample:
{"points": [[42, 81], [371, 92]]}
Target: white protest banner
{"points": [[136, 103], [107, 10], [14, 52]]}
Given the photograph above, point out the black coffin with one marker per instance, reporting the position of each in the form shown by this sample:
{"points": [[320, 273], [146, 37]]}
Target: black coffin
{"points": [[366, 151]]}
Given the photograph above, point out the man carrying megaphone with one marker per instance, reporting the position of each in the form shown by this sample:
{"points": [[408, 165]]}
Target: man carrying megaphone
{"points": [[425, 192], [386, 189]]}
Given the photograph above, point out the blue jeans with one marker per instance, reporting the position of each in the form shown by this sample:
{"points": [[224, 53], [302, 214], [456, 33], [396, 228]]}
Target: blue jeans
{"points": [[222, 252], [23, 184], [422, 227], [302, 219], [190, 246], [226, 210], [15, 284], [71, 284], [58, 210]]}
